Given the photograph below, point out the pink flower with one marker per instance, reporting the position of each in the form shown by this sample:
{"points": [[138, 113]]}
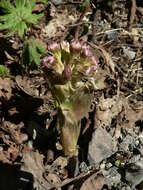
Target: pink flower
{"points": [[75, 46], [67, 72], [86, 51], [87, 72], [54, 47], [48, 62]]}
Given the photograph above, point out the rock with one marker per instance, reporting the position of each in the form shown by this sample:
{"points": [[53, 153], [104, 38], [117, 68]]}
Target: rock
{"points": [[126, 188], [127, 141], [112, 35], [100, 146], [130, 54], [83, 167], [135, 158], [134, 173], [57, 2], [112, 177], [108, 165]]}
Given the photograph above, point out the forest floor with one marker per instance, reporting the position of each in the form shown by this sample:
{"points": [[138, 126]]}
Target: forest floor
{"points": [[111, 138]]}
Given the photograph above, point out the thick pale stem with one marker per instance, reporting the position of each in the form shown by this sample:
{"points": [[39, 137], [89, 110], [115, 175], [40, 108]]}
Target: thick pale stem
{"points": [[69, 137]]}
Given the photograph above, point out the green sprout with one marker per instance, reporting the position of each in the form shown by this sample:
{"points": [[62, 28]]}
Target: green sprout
{"points": [[19, 17], [32, 51], [3, 71], [70, 69]]}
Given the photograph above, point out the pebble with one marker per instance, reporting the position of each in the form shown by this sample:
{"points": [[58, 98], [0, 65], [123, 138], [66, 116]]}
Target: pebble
{"points": [[129, 53], [112, 177], [128, 140], [108, 165]]}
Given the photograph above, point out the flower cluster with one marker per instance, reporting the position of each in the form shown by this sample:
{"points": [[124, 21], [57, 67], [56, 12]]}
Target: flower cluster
{"points": [[70, 59], [70, 69]]}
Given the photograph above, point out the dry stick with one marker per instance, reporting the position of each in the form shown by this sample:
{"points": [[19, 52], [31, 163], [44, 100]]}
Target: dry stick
{"points": [[133, 14]]}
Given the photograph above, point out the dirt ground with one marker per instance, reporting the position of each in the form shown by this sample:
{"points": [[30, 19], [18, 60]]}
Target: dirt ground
{"points": [[110, 145]]}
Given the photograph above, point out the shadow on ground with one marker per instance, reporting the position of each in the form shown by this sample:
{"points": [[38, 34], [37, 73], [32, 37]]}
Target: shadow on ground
{"points": [[11, 178]]}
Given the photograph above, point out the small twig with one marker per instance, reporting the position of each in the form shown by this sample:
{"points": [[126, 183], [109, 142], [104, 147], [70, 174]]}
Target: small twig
{"points": [[133, 14], [82, 175]]}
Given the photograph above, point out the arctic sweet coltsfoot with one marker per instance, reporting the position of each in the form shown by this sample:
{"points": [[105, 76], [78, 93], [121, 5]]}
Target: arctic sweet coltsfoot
{"points": [[70, 69]]}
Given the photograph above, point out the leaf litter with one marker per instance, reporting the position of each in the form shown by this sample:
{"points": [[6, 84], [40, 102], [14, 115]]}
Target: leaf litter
{"points": [[116, 115]]}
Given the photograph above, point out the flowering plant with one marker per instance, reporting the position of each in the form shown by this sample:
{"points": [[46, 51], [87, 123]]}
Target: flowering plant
{"points": [[70, 69]]}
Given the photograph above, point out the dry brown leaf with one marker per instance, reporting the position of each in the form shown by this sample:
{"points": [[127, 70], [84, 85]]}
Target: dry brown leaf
{"points": [[4, 157], [26, 85], [61, 162], [12, 152], [106, 110], [58, 24], [107, 57], [5, 88], [53, 179], [94, 182], [109, 108], [14, 131], [33, 163], [128, 116]]}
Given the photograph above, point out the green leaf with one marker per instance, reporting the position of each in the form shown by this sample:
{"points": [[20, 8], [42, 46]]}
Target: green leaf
{"points": [[11, 23], [19, 3], [84, 5], [34, 18], [21, 27], [6, 6], [42, 1], [34, 55], [31, 53], [25, 54], [19, 17], [4, 18], [3, 71], [40, 48], [30, 4]]}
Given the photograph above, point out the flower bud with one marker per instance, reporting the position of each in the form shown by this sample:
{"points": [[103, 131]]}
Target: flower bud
{"points": [[65, 45], [67, 72], [54, 47], [48, 62], [86, 51], [94, 62], [75, 46]]}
